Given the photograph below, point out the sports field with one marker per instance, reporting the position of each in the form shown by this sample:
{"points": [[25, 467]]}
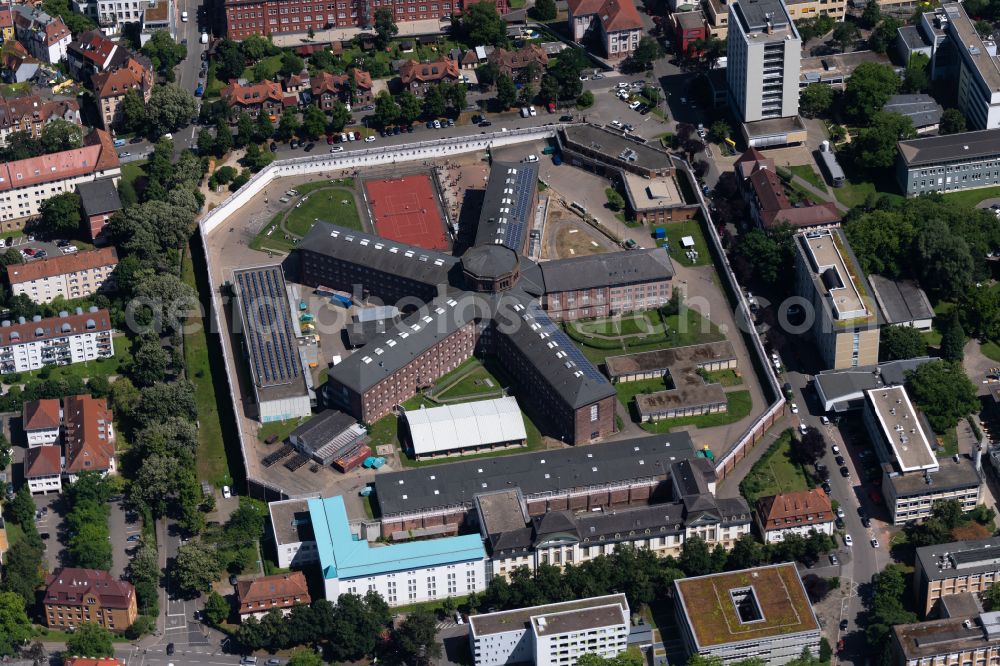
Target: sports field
{"points": [[407, 210]]}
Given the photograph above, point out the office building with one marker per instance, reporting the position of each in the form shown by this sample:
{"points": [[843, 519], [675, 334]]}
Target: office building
{"points": [[978, 71], [403, 573], [954, 568], [913, 478], [291, 529], [615, 23], [799, 512], [68, 338], [41, 421], [553, 634], [259, 596], [846, 324], [764, 51], [66, 276], [78, 596], [762, 613], [971, 639], [950, 162]]}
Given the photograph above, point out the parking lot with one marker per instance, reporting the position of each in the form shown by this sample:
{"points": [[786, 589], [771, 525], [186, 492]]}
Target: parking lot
{"points": [[52, 528]]}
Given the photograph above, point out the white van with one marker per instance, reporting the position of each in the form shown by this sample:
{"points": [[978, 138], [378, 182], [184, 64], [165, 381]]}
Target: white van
{"points": [[204, 38]]}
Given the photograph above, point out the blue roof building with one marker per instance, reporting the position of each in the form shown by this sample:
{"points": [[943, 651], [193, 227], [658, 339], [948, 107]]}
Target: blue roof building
{"points": [[402, 573]]}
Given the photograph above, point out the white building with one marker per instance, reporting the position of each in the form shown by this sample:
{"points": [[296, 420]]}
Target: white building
{"points": [[62, 340], [551, 635], [292, 530], [403, 573], [978, 73], [112, 15], [25, 184], [616, 22], [41, 421], [46, 37], [799, 512], [43, 469], [764, 51], [69, 276], [468, 427]]}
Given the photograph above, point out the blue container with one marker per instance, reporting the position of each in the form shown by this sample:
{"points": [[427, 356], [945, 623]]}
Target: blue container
{"points": [[660, 233]]}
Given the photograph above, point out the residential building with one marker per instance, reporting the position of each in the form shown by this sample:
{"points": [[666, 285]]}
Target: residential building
{"points": [[21, 66], [517, 64], [770, 206], [66, 276], [418, 76], [158, 16], [90, 436], [291, 529], [465, 428], [846, 324], [959, 567], [265, 97], [30, 114], [43, 468], [913, 478], [763, 60], [110, 88], [799, 512], [689, 28], [260, 596], [615, 24], [330, 89], [951, 640], [332, 438], [25, 184], [716, 18], [112, 15], [403, 573], [949, 162], [6, 25], [92, 52], [99, 200], [46, 37], [77, 596], [551, 634], [902, 302], [41, 421], [68, 338], [763, 612]]}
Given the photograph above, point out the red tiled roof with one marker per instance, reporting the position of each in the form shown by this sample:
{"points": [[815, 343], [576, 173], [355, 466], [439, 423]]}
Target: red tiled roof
{"points": [[815, 215], [97, 154], [31, 108], [62, 264], [89, 434], [769, 190], [6, 21], [520, 58], [438, 70], [69, 586], [42, 461], [235, 94], [614, 14], [266, 592], [794, 509], [40, 414], [95, 47], [118, 82], [336, 84]]}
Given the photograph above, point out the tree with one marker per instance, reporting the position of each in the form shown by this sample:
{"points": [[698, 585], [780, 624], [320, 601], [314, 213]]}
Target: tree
{"points": [[645, 54], [811, 447], [313, 122], [630, 657], [415, 641], [155, 482], [5, 452], [35, 653], [89, 547], [815, 27], [409, 106], [548, 89], [244, 130], [60, 135], [545, 10], [61, 214], [483, 26], [869, 88], [871, 16], [11, 257], [917, 78], [884, 35], [875, 147], [900, 342], [263, 128], [90, 640], [21, 509], [170, 108], [696, 557], [149, 361], [845, 34], [288, 125], [229, 60], [747, 552], [952, 122], [434, 102], [339, 117], [291, 64], [206, 142], [305, 658], [164, 51], [22, 566], [15, 627], [385, 27], [256, 47], [952, 339], [526, 94], [768, 254], [615, 200], [719, 131], [261, 71], [386, 109], [585, 100], [946, 264], [196, 567], [815, 99], [216, 608], [943, 392], [506, 91]]}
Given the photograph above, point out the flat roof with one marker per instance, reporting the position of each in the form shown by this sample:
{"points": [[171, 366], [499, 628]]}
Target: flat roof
{"points": [[267, 325], [959, 558], [838, 387], [714, 620], [647, 457], [617, 146], [763, 20], [773, 126], [965, 146], [948, 636], [574, 621], [652, 193], [691, 395], [290, 521], [913, 37], [969, 41], [949, 476], [901, 301], [614, 269], [342, 555], [464, 425], [497, 623], [835, 277], [664, 359], [902, 429]]}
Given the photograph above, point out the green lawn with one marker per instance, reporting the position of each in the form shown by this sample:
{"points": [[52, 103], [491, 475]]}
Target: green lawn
{"points": [[279, 428], [971, 198], [724, 377], [775, 472], [808, 174], [275, 240], [949, 444], [213, 86], [740, 405], [853, 193], [133, 170], [628, 390], [692, 228], [990, 349], [479, 383], [273, 64], [327, 205], [103, 367], [213, 465], [690, 328], [633, 323]]}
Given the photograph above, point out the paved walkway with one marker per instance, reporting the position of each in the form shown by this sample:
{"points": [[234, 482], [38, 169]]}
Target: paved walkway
{"points": [[824, 195]]}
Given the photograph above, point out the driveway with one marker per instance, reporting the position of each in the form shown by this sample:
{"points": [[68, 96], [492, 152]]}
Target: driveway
{"points": [[52, 529], [122, 525]]}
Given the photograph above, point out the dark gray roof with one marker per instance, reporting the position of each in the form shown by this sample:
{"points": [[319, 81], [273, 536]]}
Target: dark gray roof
{"points": [[689, 476], [600, 270], [901, 301], [977, 145], [643, 155], [921, 109], [950, 475], [322, 428], [756, 14], [963, 558], [534, 473], [843, 386], [490, 261], [361, 333], [913, 38], [99, 196], [508, 210], [377, 253]]}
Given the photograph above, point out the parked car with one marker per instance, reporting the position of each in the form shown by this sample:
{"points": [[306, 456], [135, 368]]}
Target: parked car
{"points": [[485, 123], [840, 512], [840, 460], [833, 559], [848, 540], [170, 649], [273, 147], [826, 487], [843, 623], [226, 492], [132, 538], [437, 124], [866, 521], [803, 428], [844, 472], [824, 420], [310, 146], [232, 579], [795, 408], [565, 119], [874, 542], [532, 111], [371, 138], [835, 449], [337, 149]]}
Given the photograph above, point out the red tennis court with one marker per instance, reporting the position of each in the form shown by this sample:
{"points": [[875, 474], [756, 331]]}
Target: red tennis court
{"points": [[406, 210]]}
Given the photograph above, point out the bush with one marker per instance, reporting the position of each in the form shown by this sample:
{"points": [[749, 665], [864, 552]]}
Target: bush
{"points": [[615, 200], [585, 100]]}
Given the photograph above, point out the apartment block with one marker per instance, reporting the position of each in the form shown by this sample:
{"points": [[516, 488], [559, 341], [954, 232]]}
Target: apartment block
{"points": [[846, 323], [614, 23], [41, 421], [68, 338], [764, 52], [43, 469], [30, 114], [45, 37], [553, 634], [77, 596], [67, 276], [799, 512], [957, 567], [89, 438], [111, 87]]}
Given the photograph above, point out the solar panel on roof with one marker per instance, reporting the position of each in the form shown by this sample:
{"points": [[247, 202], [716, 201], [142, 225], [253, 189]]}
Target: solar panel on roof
{"points": [[268, 329]]}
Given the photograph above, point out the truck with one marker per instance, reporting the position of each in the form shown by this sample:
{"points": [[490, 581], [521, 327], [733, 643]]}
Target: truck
{"points": [[204, 38]]}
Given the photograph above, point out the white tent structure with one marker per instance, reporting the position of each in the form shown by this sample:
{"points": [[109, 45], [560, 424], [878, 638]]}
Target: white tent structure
{"points": [[466, 427]]}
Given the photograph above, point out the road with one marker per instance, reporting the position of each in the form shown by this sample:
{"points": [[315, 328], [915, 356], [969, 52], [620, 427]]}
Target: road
{"points": [[179, 625]]}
